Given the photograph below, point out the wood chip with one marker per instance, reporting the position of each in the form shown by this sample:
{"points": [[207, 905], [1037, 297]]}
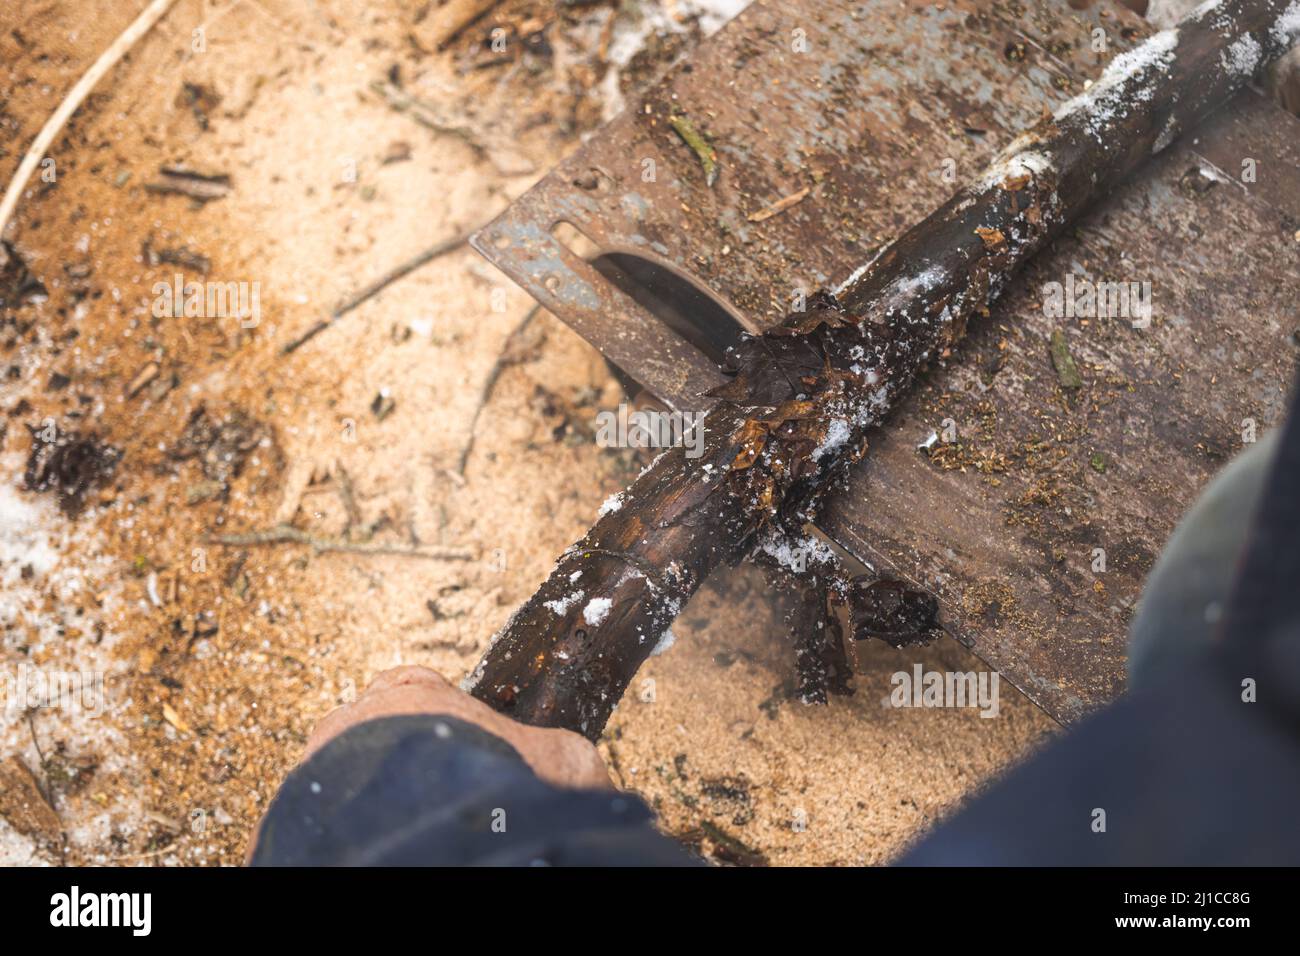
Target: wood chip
{"points": [[23, 806], [142, 378], [173, 718], [781, 205], [202, 187]]}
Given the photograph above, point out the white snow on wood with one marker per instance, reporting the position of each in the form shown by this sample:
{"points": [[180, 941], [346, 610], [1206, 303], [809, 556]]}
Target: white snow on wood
{"points": [[1167, 13], [796, 554], [561, 605], [1021, 162], [1167, 136], [1242, 57], [923, 281], [612, 504], [596, 611], [1210, 171], [860, 271], [836, 435], [635, 24], [1287, 29], [1127, 78]]}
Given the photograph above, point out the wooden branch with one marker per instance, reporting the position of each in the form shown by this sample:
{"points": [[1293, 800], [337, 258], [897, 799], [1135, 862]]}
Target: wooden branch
{"points": [[810, 575], [287, 534], [807, 393]]}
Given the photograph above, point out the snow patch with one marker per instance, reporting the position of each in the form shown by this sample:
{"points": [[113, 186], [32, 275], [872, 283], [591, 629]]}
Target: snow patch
{"points": [[612, 503], [1025, 162], [48, 565], [637, 23], [923, 281], [24, 540], [1126, 79], [1287, 29], [797, 554], [596, 611], [561, 605], [836, 435], [1242, 57]]}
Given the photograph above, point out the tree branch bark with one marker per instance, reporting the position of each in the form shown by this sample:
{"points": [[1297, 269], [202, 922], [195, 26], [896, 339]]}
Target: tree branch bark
{"points": [[807, 393]]}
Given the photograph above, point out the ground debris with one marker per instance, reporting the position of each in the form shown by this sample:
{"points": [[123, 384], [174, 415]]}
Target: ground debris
{"points": [[69, 463], [68, 773], [200, 100], [370, 291], [730, 794], [891, 611], [142, 378], [287, 534], [17, 285], [505, 159], [181, 256], [722, 846], [24, 807], [179, 180], [172, 717], [443, 24], [221, 446], [382, 405]]}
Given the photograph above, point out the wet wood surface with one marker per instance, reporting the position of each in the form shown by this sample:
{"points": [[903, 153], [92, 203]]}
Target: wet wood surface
{"points": [[1009, 522]]}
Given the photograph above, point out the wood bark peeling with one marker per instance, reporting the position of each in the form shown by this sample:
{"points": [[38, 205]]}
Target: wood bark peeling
{"points": [[806, 393]]}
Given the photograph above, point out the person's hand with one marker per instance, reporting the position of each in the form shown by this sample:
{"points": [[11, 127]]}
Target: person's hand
{"points": [[557, 756]]}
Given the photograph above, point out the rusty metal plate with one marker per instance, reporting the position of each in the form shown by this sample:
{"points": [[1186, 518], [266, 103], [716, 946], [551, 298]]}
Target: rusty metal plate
{"points": [[872, 107]]}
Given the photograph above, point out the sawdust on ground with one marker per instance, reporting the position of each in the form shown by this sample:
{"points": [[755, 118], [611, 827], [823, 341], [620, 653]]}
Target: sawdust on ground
{"points": [[216, 661]]}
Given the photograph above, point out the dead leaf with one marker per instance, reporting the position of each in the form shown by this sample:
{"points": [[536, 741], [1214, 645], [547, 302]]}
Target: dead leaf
{"points": [[752, 437]]}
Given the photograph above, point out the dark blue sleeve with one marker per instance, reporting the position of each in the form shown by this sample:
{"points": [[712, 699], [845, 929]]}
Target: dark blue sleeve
{"points": [[1182, 773], [426, 790]]}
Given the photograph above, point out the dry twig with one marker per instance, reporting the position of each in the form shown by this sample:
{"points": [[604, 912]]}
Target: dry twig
{"points": [[374, 288], [505, 359], [107, 60], [286, 534]]}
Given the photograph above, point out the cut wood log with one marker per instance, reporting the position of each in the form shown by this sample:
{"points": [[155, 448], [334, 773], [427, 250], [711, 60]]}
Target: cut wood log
{"points": [[806, 394]]}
